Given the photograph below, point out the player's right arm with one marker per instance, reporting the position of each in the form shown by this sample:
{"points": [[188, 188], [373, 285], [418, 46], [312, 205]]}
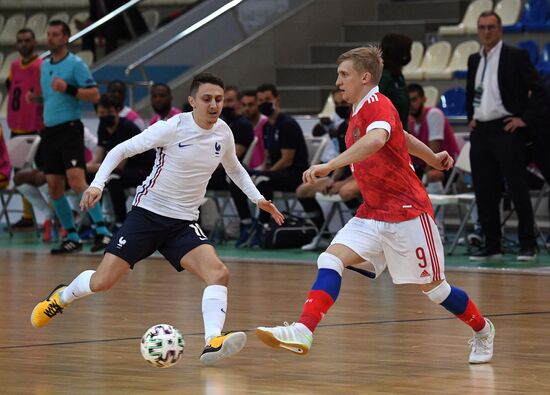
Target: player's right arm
{"points": [[157, 135]]}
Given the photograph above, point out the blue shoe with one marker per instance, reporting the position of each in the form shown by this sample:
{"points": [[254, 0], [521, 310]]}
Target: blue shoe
{"points": [[247, 231]]}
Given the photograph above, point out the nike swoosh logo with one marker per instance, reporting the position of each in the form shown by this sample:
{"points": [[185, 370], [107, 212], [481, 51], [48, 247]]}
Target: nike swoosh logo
{"points": [[297, 350], [183, 145]]}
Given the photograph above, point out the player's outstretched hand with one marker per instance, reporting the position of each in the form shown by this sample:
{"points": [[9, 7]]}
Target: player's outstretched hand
{"points": [[266, 205], [443, 161], [316, 171], [89, 198]]}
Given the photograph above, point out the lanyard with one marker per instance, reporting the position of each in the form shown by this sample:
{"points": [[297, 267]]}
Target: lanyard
{"points": [[484, 68]]}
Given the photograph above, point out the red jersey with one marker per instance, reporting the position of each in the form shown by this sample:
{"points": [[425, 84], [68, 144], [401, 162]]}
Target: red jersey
{"points": [[24, 117], [391, 190]]}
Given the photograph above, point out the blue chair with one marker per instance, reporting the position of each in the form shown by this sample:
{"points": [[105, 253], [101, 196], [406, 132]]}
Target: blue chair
{"points": [[532, 47], [543, 66], [533, 17], [453, 102]]}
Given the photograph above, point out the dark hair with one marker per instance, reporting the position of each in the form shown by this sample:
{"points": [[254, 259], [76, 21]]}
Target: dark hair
{"points": [[396, 51], [204, 78], [248, 92], [487, 13], [58, 22], [161, 85], [107, 100], [416, 88], [111, 84], [235, 89], [268, 87], [25, 30]]}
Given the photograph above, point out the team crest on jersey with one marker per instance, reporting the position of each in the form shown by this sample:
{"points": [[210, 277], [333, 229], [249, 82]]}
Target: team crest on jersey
{"points": [[356, 134], [217, 148]]}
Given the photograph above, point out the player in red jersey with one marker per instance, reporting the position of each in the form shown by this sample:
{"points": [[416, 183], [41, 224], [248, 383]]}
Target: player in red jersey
{"points": [[394, 227]]}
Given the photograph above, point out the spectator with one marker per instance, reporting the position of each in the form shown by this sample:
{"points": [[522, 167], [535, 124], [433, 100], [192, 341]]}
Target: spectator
{"points": [[429, 125], [161, 101], [117, 88], [249, 105], [396, 52], [24, 118], [130, 173], [65, 81], [5, 166], [286, 147], [504, 94], [115, 29], [243, 135]]}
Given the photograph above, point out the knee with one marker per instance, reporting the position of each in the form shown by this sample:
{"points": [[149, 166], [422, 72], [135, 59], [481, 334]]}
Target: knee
{"points": [[303, 191], [100, 283], [219, 275]]}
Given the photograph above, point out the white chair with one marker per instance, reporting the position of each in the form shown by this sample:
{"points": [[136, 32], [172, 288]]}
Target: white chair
{"points": [[4, 108], [12, 25], [435, 59], [449, 197], [38, 23], [2, 20], [87, 56], [1, 59], [469, 21], [410, 71], [79, 16], [509, 11], [432, 95], [21, 150], [459, 61], [5, 70], [328, 108], [152, 18]]}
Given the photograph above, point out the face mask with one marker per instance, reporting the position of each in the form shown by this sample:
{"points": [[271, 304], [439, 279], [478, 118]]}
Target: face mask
{"points": [[165, 109], [107, 121], [25, 51], [228, 114], [343, 111], [266, 108], [406, 59]]}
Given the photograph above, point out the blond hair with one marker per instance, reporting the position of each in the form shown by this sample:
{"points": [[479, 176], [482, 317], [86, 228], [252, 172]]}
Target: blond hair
{"points": [[365, 59]]}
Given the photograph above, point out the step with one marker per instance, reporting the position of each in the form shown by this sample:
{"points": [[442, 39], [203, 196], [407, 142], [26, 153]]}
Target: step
{"points": [[306, 75], [304, 98], [422, 10], [327, 53], [372, 31]]}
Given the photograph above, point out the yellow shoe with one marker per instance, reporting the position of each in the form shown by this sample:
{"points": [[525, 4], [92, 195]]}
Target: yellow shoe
{"points": [[48, 308], [222, 347]]}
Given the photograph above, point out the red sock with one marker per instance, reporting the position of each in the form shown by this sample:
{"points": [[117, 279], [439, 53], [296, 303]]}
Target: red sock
{"points": [[472, 317], [316, 306]]}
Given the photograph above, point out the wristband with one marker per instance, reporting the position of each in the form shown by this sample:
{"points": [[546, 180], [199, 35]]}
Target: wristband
{"points": [[71, 90]]}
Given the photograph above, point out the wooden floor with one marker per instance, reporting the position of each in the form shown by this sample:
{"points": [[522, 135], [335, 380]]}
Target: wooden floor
{"points": [[379, 338]]}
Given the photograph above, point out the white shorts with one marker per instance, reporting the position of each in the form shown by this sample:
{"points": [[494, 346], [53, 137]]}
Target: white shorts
{"points": [[412, 250]]}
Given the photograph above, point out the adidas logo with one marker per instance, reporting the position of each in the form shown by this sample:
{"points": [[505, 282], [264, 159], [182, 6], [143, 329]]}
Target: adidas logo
{"points": [[372, 99], [120, 242], [424, 273]]}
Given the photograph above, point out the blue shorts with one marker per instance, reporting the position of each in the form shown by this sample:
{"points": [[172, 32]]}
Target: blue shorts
{"points": [[145, 232]]}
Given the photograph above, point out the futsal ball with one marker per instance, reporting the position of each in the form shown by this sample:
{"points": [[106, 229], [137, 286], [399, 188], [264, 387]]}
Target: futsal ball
{"points": [[162, 345]]}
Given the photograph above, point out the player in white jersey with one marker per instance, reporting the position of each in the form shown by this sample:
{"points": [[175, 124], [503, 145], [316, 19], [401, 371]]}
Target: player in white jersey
{"points": [[190, 146]]}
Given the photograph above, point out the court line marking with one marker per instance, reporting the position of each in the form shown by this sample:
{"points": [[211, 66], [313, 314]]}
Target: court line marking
{"points": [[252, 330]]}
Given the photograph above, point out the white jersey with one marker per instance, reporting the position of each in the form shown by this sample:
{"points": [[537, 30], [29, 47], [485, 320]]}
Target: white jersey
{"points": [[187, 155]]}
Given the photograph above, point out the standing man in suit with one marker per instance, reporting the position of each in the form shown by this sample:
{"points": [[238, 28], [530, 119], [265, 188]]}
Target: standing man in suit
{"points": [[504, 93]]}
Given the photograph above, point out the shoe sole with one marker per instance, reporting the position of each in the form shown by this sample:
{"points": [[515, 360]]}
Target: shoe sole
{"points": [[272, 341], [525, 258], [234, 343]]}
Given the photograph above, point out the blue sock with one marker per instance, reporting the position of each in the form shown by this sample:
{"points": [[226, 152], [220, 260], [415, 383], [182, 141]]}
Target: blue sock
{"points": [[65, 214], [456, 302], [97, 216], [328, 280]]}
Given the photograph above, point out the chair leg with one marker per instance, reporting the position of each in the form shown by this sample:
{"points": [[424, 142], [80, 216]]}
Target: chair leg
{"points": [[325, 225], [461, 228]]}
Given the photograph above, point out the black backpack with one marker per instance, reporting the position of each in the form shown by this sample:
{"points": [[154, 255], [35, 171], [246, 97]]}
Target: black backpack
{"points": [[294, 232]]}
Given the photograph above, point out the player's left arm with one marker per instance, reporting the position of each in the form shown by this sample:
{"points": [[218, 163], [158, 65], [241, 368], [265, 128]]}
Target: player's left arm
{"points": [[440, 161], [366, 146]]}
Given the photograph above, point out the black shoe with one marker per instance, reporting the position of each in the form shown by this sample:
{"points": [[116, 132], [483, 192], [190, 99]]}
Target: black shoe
{"points": [[100, 242], [23, 224], [527, 254], [486, 255], [67, 247]]}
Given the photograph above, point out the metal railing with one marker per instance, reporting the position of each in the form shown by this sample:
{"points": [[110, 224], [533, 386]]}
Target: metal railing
{"points": [[101, 22], [141, 61]]}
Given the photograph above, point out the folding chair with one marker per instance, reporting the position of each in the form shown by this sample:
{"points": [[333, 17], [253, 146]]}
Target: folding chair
{"points": [[222, 198], [450, 197], [22, 150]]}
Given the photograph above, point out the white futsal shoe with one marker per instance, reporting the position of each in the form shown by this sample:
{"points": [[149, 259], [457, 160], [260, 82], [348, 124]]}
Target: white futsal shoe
{"points": [[296, 338], [482, 345]]}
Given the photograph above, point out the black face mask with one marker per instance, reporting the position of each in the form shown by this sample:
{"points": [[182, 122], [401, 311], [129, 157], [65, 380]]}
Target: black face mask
{"points": [[163, 110], [343, 112], [228, 114], [107, 121], [266, 108]]}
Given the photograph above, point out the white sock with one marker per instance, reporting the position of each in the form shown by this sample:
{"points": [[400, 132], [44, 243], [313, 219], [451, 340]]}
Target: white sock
{"points": [[486, 330], [78, 288], [36, 199], [214, 307]]}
